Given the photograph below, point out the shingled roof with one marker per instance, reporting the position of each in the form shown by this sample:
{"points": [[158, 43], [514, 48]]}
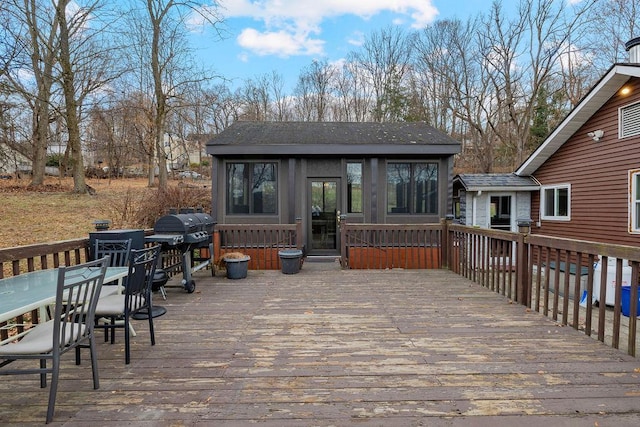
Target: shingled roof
{"points": [[496, 182], [331, 138]]}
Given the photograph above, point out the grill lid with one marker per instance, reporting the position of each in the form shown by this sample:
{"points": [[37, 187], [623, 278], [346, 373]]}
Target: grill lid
{"points": [[177, 224]]}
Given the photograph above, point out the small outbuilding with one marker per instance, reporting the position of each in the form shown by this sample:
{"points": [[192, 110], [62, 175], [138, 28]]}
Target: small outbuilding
{"points": [[277, 172], [495, 200]]}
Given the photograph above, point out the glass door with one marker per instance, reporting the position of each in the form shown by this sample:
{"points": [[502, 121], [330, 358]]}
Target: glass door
{"points": [[500, 213], [324, 211]]}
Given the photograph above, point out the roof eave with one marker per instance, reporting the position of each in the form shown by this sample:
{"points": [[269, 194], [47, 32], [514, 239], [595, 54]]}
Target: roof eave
{"points": [[332, 149], [506, 188], [608, 85]]}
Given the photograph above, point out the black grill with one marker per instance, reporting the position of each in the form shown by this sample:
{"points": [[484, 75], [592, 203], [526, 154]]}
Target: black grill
{"points": [[185, 231], [193, 227]]}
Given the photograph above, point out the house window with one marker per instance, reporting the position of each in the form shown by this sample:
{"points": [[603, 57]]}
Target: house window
{"points": [[556, 202], [630, 120], [251, 188], [354, 187], [412, 188], [634, 201]]}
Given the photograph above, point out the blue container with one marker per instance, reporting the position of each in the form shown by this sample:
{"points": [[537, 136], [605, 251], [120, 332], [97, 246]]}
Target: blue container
{"points": [[626, 301], [290, 260]]}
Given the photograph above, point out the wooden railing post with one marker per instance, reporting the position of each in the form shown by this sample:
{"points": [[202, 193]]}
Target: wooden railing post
{"points": [[216, 246], [523, 291], [343, 241], [445, 242], [299, 240]]}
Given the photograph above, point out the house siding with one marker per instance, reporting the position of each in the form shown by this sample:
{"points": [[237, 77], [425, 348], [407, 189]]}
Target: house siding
{"points": [[598, 174]]}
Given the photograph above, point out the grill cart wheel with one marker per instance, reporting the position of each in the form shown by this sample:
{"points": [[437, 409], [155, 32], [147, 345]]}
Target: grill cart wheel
{"points": [[190, 286]]}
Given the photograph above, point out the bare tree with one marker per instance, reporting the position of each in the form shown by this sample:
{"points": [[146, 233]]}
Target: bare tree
{"points": [[256, 97], [225, 106], [169, 59], [281, 101], [386, 57], [617, 21], [314, 85], [31, 35], [353, 92]]}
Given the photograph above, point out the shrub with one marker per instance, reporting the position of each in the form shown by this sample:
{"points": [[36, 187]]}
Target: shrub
{"points": [[157, 204]]}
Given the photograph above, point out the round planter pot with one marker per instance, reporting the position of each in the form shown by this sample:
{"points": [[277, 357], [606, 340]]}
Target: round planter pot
{"points": [[237, 267], [290, 260]]}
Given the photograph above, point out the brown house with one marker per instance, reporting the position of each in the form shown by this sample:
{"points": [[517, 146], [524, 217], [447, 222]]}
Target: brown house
{"points": [[277, 172], [589, 167]]}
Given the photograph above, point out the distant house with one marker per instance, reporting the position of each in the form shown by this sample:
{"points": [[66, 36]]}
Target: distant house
{"points": [[13, 162], [589, 166], [275, 172], [493, 201]]}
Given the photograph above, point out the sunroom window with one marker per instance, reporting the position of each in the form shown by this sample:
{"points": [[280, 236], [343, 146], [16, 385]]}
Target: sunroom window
{"points": [[354, 187], [556, 202], [252, 188], [412, 188]]}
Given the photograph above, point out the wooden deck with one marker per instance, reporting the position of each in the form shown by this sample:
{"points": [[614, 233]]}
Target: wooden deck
{"points": [[330, 347]]}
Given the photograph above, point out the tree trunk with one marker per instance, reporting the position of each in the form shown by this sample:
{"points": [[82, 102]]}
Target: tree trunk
{"points": [[71, 107]]}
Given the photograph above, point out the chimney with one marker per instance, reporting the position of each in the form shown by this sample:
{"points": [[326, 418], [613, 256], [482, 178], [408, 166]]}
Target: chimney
{"points": [[633, 47]]}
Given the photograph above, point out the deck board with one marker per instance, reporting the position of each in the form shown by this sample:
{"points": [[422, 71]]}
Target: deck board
{"points": [[332, 347]]}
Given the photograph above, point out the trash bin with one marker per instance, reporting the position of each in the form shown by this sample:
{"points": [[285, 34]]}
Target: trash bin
{"points": [[290, 260]]}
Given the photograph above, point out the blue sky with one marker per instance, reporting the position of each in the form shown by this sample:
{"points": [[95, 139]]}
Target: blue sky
{"points": [[286, 35]]}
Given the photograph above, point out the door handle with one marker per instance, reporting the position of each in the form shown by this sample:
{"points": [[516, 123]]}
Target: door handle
{"points": [[338, 217]]}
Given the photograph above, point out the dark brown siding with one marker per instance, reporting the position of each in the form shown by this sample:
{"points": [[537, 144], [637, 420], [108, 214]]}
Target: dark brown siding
{"points": [[598, 174]]}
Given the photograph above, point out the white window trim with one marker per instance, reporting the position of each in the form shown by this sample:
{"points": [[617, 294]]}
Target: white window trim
{"points": [[633, 203], [543, 203], [620, 119]]}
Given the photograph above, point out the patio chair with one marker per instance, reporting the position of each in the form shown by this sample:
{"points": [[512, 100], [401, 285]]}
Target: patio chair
{"points": [[71, 327], [119, 252], [115, 311]]}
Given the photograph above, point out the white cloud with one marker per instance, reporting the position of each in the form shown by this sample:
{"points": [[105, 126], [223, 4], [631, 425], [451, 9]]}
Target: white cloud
{"points": [[292, 27], [280, 43], [356, 38]]}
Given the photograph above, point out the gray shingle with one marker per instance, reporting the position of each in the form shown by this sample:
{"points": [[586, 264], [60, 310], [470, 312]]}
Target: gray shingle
{"points": [[304, 133], [485, 181]]}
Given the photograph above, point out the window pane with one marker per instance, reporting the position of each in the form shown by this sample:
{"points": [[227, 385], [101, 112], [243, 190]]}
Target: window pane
{"points": [[398, 182], [238, 188], [264, 188], [636, 225], [636, 183], [426, 187], [563, 202], [251, 188], [549, 202], [354, 187]]}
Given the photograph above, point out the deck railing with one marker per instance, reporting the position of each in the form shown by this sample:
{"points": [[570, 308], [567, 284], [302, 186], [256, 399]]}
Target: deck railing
{"points": [[553, 276], [384, 246], [261, 242]]}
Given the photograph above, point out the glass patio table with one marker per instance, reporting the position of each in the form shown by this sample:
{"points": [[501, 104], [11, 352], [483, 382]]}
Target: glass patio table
{"points": [[29, 291]]}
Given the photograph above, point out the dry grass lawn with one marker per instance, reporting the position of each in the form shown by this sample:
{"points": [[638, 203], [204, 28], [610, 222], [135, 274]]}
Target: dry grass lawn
{"points": [[53, 213]]}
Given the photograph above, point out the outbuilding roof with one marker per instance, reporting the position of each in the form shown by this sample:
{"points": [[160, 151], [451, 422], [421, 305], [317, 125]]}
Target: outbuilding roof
{"points": [[331, 138], [496, 182]]}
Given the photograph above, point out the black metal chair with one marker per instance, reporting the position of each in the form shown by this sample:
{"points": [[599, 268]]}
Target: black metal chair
{"points": [[115, 311], [71, 327], [118, 251]]}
